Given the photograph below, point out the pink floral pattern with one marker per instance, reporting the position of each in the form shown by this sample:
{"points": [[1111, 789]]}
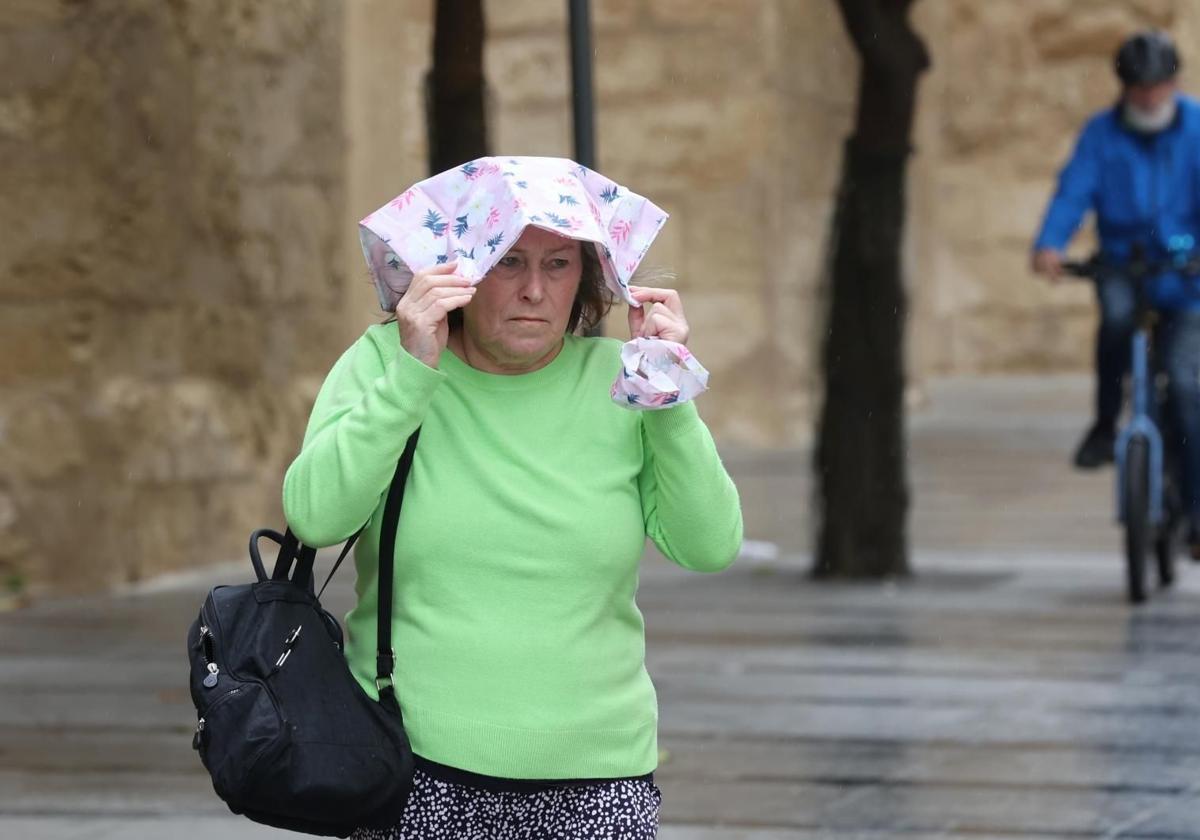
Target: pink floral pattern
{"points": [[475, 212], [403, 200]]}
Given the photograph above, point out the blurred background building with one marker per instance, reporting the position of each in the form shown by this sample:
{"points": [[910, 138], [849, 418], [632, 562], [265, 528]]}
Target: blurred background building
{"points": [[181, 181]]}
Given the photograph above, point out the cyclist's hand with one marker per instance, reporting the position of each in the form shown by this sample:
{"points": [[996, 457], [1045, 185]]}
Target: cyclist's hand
{"points": [[421, 312], [1048, 262]]}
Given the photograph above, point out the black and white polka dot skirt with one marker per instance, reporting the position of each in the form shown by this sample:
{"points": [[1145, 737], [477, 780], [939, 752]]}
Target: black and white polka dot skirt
{"points": [[624, 809]]}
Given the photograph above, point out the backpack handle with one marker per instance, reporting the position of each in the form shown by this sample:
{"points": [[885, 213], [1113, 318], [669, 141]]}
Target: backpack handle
{"points": [[260, 570], [291, 553]]}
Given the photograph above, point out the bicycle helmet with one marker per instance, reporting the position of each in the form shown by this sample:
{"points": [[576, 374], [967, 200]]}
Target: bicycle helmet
{"points": [[1147, 58]]}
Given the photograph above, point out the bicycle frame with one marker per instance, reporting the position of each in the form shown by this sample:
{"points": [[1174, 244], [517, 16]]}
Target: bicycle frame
{"points": [[1142, 422], [1147, 516]]}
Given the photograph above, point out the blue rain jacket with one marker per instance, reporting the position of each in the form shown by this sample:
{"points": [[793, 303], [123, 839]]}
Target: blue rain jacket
{"points": [[1144, 189]]}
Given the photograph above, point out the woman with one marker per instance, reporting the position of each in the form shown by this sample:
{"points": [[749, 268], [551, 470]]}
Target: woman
{"points": [[521, 649]]}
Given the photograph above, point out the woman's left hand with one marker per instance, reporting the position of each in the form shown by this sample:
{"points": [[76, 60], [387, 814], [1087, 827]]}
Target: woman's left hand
{"points": [[660, 316]]}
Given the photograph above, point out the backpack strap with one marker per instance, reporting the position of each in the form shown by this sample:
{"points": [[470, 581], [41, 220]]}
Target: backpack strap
{"points": [[401, 476], [294, 562], [345, 551], [291, 552], [289, 563], [385, 658]]}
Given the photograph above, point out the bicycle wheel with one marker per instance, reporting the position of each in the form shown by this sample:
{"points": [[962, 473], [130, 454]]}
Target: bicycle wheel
{"points": [[1169, 537], [1164, 551], [1136, 478]]}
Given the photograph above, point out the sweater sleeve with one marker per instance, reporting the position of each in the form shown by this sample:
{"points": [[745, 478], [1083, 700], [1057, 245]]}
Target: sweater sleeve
{"points": [[360, 422], [689, 502], [1077, 184]]}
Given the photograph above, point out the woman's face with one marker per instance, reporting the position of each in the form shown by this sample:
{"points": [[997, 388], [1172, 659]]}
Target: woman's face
{"points": [[521, 308]]}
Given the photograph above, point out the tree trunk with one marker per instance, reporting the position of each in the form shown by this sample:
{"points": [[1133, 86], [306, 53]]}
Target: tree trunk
{"points": [[860, 457], [455, 86]]}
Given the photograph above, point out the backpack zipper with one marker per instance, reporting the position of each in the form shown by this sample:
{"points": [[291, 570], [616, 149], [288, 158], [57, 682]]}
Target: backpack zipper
{"points": [[214, 671], [202, 722]]}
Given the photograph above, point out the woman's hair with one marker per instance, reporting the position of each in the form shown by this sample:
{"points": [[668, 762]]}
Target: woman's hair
{"points": [[593, 300]]}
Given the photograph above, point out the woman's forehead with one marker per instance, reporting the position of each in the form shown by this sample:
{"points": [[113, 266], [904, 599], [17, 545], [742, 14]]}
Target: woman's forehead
{"points": [[539, 239]]}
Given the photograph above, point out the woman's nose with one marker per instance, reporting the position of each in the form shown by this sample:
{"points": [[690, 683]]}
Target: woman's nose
{"points": [[534, 288]]}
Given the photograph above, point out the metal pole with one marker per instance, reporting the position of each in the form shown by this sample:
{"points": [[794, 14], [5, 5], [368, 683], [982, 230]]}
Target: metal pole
{"points": [[583, 108], [582, 104]]}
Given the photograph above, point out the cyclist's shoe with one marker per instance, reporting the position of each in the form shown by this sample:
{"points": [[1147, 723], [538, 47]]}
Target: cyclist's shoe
{"points": [[1096, 449]]}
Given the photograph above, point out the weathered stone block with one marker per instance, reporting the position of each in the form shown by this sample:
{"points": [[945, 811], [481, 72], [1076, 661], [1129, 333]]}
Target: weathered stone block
{"points": [[670, 251], [17, 117], [42, 343], [15, 545], [169, 259], [308, 245], [273, 29], [713, 14], [816, 61], [529, 69], [726, 326], [216, 515], [507, 16], [541, 131], [683, 142], [632, 64], [1000, 211], [795, 320], [738, 382], [40, 435], [616, 13], [995, 343], [1059, 33], [725, 239]]}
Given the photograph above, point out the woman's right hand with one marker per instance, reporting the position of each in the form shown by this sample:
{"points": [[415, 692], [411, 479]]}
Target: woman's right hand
{"points": [[421, 312]]}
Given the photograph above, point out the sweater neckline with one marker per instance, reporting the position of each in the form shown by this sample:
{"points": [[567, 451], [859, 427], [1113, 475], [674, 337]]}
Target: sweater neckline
{"points": [[457, 369]]}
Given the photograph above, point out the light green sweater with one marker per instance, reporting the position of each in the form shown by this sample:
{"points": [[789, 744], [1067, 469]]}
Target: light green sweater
{"points": [[520, 649]]}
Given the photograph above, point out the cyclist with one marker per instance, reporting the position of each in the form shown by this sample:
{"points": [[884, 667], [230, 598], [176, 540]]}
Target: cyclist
{"points": [[1136, 165]]}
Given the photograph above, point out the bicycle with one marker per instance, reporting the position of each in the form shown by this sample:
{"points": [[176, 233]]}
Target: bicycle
{"points": [[1149, 506]]}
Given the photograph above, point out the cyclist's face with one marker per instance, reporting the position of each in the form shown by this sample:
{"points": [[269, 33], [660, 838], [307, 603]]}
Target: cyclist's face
{"points": [[1149, 98]]}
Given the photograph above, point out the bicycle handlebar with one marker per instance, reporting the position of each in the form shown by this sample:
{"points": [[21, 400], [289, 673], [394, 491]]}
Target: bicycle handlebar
{"points": [[1137, 269], [1081, 268]]}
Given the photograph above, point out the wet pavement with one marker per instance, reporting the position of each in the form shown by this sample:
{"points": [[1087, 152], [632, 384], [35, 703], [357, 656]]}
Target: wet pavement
{"points": [[1007, 692]]}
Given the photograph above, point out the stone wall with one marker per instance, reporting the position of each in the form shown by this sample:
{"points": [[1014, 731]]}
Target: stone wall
{"points": [[169, 254], [178, 258], [385, 53]]}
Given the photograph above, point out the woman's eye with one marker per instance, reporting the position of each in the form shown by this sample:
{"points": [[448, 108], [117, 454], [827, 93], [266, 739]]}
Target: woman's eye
{"points": [[509, 262], [559, 263]]}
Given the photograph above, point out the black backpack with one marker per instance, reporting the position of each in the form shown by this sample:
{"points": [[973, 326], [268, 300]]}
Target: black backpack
{"points": [[288, 735]]}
